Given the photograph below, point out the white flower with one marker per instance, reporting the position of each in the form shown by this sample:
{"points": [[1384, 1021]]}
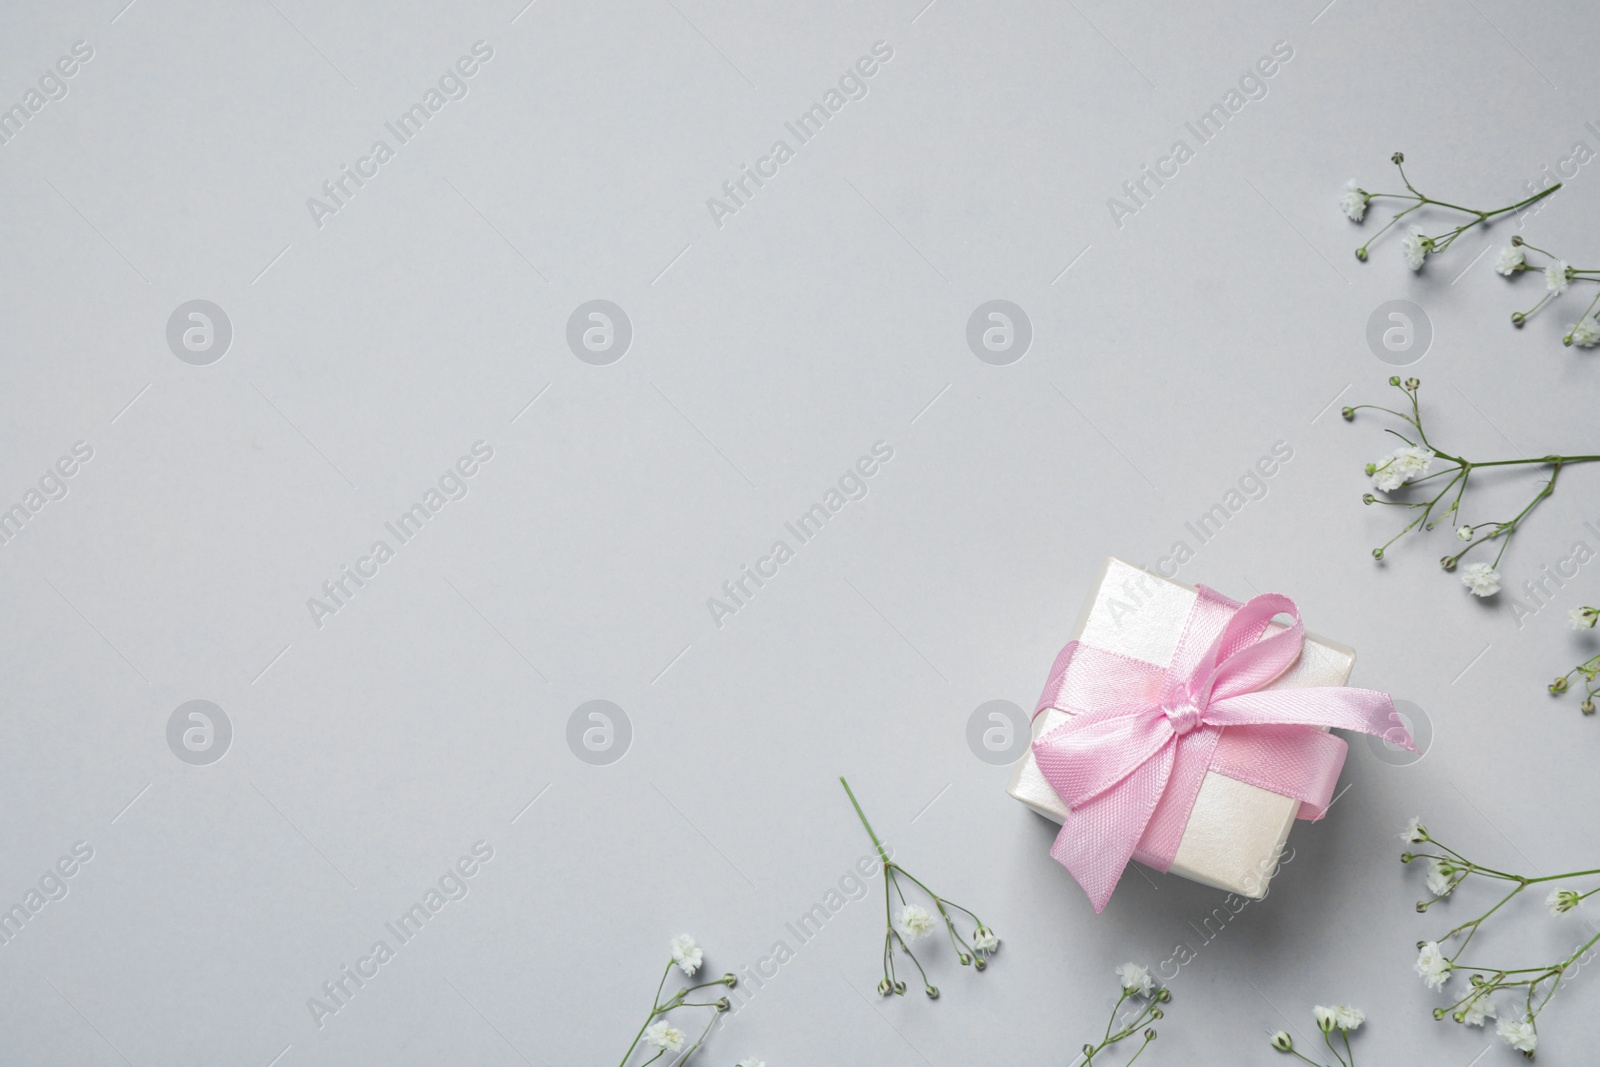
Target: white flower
{"points": [[1511, 257], [1479, 1010], [686, 954], [1400, 467], [1414, 833], [1326, 1017], [1416, 248], [752, 1062], [1135, 979], [1482, 579], [1583, 618], [915, 922], [1464, 532], [1585, 333], [1354, 201], [1561, 901], [1555, 280], [1518, 1034], [1347, 1018], [983, 940], [1432, 966], [1441, 878], [666, 1036]]}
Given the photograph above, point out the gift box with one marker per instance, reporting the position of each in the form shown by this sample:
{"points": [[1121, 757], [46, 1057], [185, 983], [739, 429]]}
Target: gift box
{"points": [[1135, 623]]}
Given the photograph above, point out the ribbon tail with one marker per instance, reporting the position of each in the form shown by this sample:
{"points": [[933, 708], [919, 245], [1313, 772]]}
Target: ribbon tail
{"points": [[1097, 839]]}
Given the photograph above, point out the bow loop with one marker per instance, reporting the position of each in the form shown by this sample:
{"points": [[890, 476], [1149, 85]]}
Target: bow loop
{"points": [[1138, 739]]}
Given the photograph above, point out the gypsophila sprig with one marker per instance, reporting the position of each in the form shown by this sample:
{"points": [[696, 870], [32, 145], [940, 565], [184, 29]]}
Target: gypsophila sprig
{"points": [[915, 922], [1411, 465], [1558, 276], [1137, 986], [1530, 987], [1582, 618], [1341, 1019], [1417, 246], [661, 1033]]}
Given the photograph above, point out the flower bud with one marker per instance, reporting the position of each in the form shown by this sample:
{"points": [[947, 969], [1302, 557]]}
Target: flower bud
{"points": [[1438, 1013], [1394, 379], [729, 980], [1163, 994], [933, 992], [1088, 1050], [980, 963], [1348, 413], [1361, 253], [1150, 1034], [1368, 498], [722, 1005], [1406, 857], [1282, 1041], [1377, 553], [1448, 563], [1157, 1013], [1422, 906], [1518, 318], [1516, 240], [1559, 685], [1567, 340], [1398, 158], [1587, 707], [965, 959], [884, 988], [899, 988]]}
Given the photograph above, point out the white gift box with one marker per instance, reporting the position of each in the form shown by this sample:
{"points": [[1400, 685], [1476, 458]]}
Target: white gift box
{"points": [[1236, 831]]}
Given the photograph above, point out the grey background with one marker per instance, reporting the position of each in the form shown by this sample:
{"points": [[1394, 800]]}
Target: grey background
{"points": [[767, 355]]}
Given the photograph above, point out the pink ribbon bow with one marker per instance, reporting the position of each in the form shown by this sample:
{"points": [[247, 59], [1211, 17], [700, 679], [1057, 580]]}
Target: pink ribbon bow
{"points": [[1139, 738]]}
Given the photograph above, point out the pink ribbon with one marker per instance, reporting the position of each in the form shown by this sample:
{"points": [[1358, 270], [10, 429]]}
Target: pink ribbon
{"points": [[1139, 738]]}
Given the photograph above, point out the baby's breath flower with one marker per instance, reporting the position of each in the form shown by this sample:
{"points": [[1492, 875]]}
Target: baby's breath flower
{"points": [[1414, 833], [1441, 878], [1479, 1011], [915, 922], [1511, 257], [1326, 1018], [1135, 979], [686, 954], [1416, 246], [1348, 1018], [1583, 618], [984, 940], [1519, 1034], [1282, 1041], [1431, 965], [664, 1035], [1353, 202], [1561, 901], [751, 1062], [1482, 579], [1585, 333], [1464, 532], [1555, 277], [1399, 467]]}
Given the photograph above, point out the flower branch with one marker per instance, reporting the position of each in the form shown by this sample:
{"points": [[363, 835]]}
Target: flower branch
{"points": [[1342, 1019], [916, 922], [1416, 245], [1531, 987], [1411, 464], [1558, 276], [1583, 618], [1139, 987], [659, 1032]]}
